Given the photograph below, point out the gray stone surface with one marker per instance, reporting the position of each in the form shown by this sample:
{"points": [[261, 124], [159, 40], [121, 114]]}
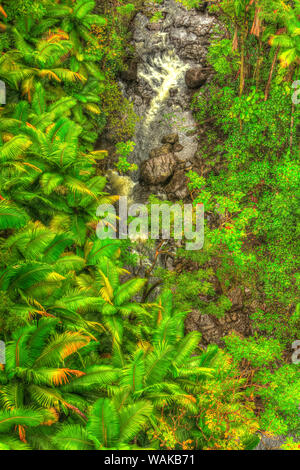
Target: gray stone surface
{"points": [[164, 52], [158, 169], [195, 77]]}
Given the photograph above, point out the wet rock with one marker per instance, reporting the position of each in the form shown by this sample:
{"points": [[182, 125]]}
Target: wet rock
{"points": [[170, 139], [195, 52], [182, 35], [182, 20], [177, 187], [202, 31], [202, 7], [158, 169], [130, 74], [173, 92], [188, 150], [140, 48], [195, 77], [154, 26], [162, 150], [177, 147], [214, 329]]}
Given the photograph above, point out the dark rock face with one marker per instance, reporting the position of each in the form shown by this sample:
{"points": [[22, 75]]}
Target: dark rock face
{"points": [[236, 320], [213, 329], [178, 147], [162, 150], [158, 169], [130, 75], [165, 50], [202, 7], [195, 77], [177, 187], [170, 139]]}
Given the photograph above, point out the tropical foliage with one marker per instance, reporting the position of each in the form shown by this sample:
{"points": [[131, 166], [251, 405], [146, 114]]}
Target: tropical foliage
{"points": [[89, 363]]}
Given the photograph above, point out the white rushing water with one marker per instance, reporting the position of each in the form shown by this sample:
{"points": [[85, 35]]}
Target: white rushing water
{"points": [[164, 51], [162, 73]]}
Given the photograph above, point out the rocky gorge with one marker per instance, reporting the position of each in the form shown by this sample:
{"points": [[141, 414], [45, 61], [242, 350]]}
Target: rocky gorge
{"points": [[168, 67], [121, 326]]}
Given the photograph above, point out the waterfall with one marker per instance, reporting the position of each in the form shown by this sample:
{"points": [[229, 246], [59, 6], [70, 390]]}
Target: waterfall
{"points": [[164, 51], [121, 184], [162, 73], [159, 73]]}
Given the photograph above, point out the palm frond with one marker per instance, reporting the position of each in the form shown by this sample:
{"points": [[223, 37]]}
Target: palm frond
{"points": [[72, 437], [103, 426]]}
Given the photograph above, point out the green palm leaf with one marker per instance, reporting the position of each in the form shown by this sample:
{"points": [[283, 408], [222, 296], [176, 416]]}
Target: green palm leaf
{"points": [[133, 374], [72, 437], [11, 216], [14, 148], [83, 7], [24, 417], [128, 290], [103, 426], [186, 347], [133, 418]]}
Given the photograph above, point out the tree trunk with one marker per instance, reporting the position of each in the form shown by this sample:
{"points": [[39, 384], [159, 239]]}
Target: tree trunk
{"points": [[259, 61], [242, 71], [291, 127], [270, 74]]}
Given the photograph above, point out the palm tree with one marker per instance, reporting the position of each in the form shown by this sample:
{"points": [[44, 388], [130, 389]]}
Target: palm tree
{"points": [[87, 108], [11, 217], [19, 418], [37, 363], [27, 65], [163, 368], [77, 21], [288, 40], [101, 295], [44, 162], [237, 12], [108, 427], [280, 29], [36, 270]]}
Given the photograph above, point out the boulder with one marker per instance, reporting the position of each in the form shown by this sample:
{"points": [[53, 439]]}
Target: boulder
{"points": [[195, 77], [178, 147], [158, 169], [130, 74], [170, 139], [162, 150], [173, 92], [214, 329], [177, 188]]}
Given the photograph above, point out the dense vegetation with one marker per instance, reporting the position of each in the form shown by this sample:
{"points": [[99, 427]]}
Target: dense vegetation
{"points": [[90, 364]]}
